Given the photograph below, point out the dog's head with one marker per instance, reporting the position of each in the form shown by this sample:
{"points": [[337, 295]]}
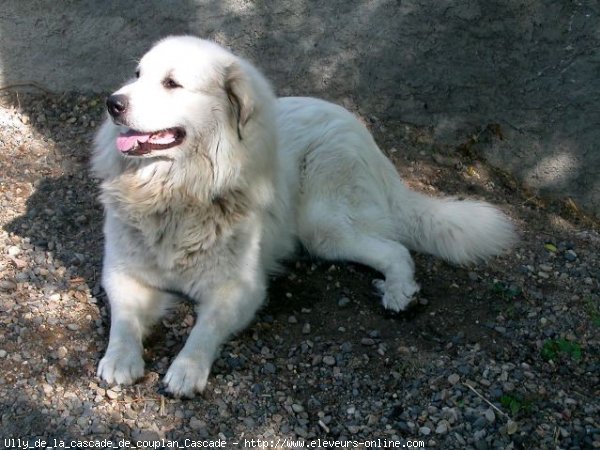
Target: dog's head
{"points": [[185, 92]]}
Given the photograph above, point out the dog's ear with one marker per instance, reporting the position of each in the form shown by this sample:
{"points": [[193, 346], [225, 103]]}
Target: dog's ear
{"points": [[239, 93]]}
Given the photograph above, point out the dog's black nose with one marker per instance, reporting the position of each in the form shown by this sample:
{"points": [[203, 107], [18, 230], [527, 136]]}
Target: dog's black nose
{"points": [[116, 105]]}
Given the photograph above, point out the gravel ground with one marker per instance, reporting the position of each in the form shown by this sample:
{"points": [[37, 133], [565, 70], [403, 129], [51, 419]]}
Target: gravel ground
{"points": [[503, 355]]}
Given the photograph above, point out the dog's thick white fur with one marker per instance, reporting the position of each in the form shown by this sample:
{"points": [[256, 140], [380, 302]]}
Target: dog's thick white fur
{"points": [[210, 214]]}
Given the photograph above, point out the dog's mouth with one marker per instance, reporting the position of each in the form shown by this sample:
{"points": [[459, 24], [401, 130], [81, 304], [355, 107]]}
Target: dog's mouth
{"points": [[137, 143]]}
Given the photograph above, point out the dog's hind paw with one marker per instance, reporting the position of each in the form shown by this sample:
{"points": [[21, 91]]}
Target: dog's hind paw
{"points": [[396, 296], [121, 367], [186, 376]]}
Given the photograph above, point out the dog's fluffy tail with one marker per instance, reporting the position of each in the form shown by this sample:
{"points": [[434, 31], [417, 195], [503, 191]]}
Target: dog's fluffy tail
{"points": [[459, 231]]}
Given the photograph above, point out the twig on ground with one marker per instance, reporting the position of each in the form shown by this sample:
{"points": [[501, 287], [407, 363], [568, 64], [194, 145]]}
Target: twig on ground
{"points": [[502, 413]]}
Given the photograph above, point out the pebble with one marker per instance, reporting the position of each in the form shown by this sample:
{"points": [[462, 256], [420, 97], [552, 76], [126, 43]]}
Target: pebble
{"points": [[329, 360], [111, 394], [306, 328], [490, 415], [343, 302], [269, 368], [297, 408], [7, 285], [3, 353], [480, 423], [570, 255], [73, 327], [292, 319], [442, 427], [425, 431], [197, 424], [453, 379], [13, 250], [512, 427]]}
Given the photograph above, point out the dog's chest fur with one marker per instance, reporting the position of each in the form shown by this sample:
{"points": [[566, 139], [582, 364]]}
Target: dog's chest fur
{"points": [[180, 230]]}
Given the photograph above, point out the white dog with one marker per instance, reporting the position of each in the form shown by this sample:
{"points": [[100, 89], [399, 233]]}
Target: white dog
{"points": [[208, 180]]}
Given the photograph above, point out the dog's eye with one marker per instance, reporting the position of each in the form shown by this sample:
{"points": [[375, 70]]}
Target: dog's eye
{"points": [[137, 73], [170, 83]]}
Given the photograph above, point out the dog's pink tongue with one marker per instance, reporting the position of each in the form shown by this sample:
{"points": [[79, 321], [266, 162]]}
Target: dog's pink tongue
{"points": [[126, 141]]}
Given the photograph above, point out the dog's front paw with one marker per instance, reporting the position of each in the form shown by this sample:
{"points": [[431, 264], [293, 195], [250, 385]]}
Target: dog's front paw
{"points": [[186, 376], [396, 296], [121, 367]]}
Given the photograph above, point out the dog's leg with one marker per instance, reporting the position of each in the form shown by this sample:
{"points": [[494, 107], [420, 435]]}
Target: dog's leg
{"points": [[387, 256], [134, 308], [222, 312]]}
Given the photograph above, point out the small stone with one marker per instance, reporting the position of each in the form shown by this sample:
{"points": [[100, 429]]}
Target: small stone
{"points": [[570, 255], [292, 319], [73, 327], [301, 431], [353, 429], [306, 328], [425, 431], [545, 267], [443, 160], [544, 275], [99, 428], [13, 250], [111, 394], [7, 285], [372, 420], [343, 302], [453, 379], [367, 341], [442, 427], [478, 436], [3, 353], [197, 424], [480, 423], [62, 352], [489, 415], [508, 386], [512, 427], [269, 368], [329, 360], [323, 426], [297, 408]]}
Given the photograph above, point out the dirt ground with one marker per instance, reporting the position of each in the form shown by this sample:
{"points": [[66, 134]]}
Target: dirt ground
{"points": [[501, 355]]}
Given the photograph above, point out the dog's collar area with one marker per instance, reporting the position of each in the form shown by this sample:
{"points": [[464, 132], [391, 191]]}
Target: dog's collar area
{"points": [[135, 143]]}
